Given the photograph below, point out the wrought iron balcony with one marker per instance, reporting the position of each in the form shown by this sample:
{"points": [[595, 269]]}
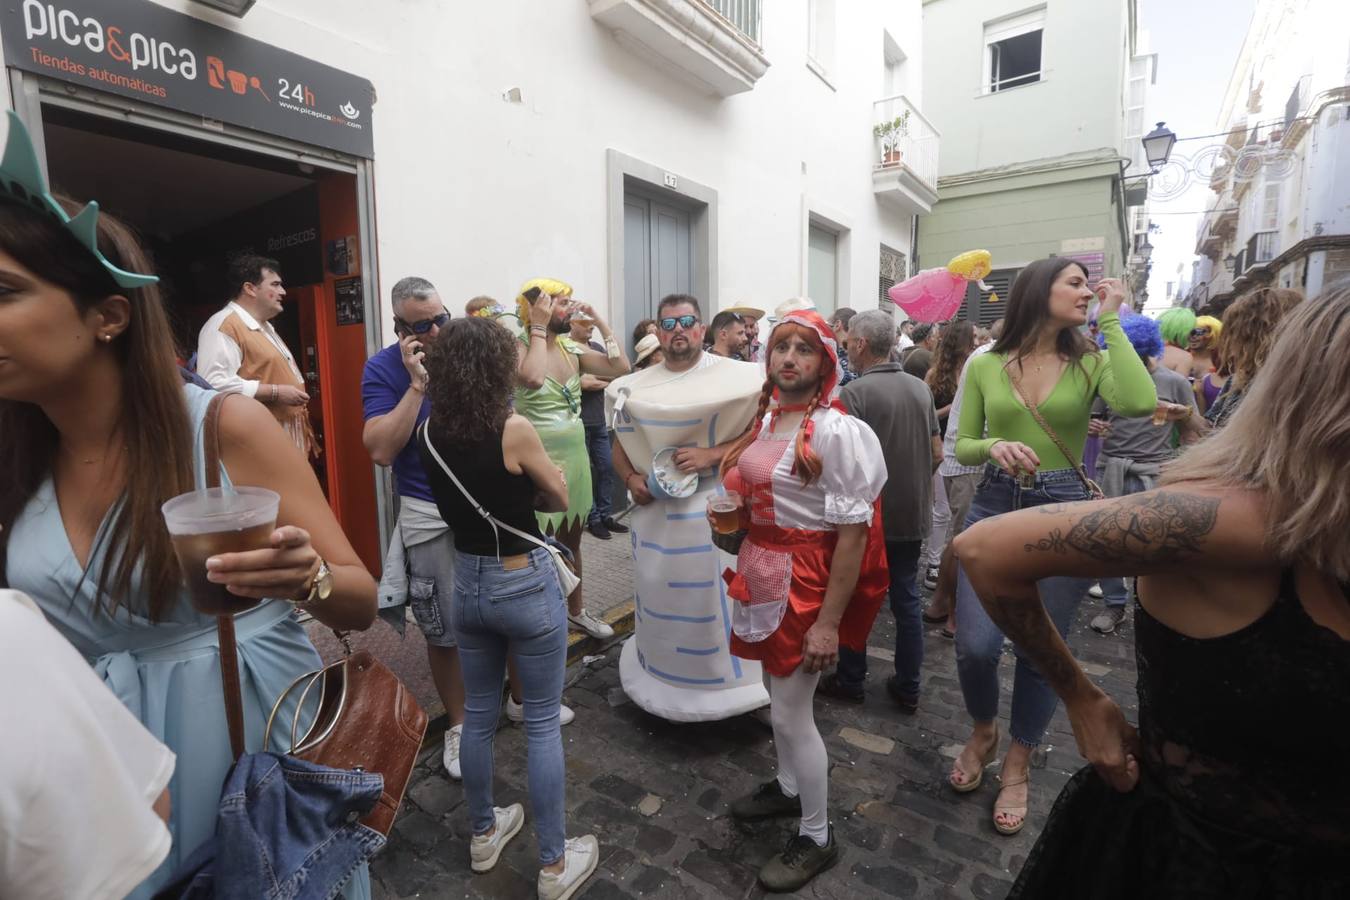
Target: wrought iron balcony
{"points": [[744, 15], [906, 146], [1262, 247]]}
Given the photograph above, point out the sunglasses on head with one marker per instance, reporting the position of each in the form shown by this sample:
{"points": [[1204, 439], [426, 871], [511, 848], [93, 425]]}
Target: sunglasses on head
{"points": [[422, 326], [686, 322]]}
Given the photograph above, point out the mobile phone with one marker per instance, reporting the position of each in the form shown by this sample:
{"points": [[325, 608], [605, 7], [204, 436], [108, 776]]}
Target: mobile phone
{"points": [[533, 294]]}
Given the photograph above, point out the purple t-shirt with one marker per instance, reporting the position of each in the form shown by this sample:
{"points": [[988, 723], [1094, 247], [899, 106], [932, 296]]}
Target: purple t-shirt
{"points": [[383, 385]]}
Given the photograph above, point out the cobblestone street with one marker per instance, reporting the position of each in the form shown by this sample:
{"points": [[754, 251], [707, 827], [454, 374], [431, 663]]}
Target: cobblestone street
{"points": [[656, 794]]}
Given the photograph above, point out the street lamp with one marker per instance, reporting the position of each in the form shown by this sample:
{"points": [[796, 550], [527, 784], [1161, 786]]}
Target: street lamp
{"points": [[1145, 250], [1158, 146], [1230, 261]]}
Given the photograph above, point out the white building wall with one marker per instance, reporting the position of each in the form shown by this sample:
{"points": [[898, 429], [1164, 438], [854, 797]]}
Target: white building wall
{"points": [[1074, 108], [479, 194]]}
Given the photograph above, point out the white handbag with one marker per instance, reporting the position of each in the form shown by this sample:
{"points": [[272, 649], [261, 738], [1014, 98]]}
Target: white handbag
{"points": [[568, 579]]}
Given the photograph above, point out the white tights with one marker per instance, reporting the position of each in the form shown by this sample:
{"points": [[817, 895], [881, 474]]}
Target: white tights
{"points": [[803, 767]]}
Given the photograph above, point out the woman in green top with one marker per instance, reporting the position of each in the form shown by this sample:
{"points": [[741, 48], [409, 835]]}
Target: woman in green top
{"points": [[1042, 359]]}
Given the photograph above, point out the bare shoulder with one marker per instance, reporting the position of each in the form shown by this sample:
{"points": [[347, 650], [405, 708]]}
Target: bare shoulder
{"points": [[244, 420]]}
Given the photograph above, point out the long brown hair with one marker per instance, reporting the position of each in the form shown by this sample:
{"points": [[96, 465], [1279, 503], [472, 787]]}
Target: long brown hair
{"points": [[805, 461], [1249, 328], [1029, 308], [1290, 437], [958, 342], [471, 369], [155, 424]]}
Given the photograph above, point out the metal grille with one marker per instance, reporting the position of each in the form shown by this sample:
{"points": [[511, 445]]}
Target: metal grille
{"points": [[894, 269], [977, 307], [742, 14]]}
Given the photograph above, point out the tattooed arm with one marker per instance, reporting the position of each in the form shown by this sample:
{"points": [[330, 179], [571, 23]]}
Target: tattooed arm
{"points": [[1157, 532]]}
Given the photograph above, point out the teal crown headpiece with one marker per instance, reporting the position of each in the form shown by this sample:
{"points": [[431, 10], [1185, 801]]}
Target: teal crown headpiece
{"points": [[21, 179]]}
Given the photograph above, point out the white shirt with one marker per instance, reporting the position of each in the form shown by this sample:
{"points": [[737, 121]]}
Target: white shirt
{"points": [[219, 357], [78, 773], [950, 467]]}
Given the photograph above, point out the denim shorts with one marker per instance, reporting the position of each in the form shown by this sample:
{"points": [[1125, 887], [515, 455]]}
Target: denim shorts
{"points": [[431, 587]]}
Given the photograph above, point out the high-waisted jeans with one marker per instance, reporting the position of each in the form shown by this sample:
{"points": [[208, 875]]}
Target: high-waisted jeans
{"points": [[979, 642], [521, 611]]}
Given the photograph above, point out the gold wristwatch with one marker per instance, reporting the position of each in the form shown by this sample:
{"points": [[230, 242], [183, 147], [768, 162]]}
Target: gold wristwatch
{"points": [[320, 586]]}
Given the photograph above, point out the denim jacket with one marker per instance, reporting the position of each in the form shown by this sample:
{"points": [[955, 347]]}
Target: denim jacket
{"points": [[287, 830]]}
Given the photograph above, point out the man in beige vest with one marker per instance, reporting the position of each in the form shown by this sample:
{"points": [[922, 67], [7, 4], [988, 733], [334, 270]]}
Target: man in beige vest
{"points": [[239, 352]]}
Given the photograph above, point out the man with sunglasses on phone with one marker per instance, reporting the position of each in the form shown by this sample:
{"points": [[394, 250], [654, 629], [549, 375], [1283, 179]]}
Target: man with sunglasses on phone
{"points": [[239, 352], [418, 568]]}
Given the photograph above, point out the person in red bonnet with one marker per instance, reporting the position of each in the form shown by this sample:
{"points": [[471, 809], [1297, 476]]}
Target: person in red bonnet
{"points": [[811, 572]]}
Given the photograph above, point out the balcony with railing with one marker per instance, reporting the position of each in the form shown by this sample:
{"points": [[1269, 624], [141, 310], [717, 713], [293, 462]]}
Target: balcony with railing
{"points": [[743, 15], [712, 45], [905, 171], [1262, 247]]}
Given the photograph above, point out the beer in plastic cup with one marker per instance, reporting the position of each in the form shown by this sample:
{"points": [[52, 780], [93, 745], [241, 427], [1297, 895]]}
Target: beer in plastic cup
{"points": [[203, 524], [726, 512]]}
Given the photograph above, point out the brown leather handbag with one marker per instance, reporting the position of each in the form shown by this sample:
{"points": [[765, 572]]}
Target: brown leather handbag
{"points": [[366, 718]]}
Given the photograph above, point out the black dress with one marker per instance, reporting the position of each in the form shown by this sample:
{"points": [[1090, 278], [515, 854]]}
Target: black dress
{"points": [[1244, 789]]}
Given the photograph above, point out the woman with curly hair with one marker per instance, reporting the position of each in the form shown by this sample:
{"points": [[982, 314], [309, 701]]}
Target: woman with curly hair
{"points": [[955, 347], [1248, 334], [507, 598]]}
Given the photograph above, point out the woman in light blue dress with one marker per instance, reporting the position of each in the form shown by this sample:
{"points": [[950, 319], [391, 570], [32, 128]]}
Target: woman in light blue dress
{"points": [[96, 431]]}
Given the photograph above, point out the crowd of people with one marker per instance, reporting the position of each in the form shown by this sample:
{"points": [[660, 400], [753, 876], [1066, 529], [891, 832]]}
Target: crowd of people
{"points": [[879, 459]]}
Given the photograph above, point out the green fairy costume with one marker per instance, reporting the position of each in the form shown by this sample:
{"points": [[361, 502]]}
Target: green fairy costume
{"points": [[555, 412]]}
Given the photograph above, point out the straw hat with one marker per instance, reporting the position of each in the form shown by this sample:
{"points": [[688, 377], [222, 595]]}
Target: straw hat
{"points": [[646, 347], [746, 312]]}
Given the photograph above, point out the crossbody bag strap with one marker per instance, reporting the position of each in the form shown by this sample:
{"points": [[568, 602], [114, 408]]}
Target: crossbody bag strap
{"points": [[478, 507], [229, 651], [1050, 433]]}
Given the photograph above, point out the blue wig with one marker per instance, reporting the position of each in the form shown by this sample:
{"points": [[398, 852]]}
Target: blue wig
{"points": [[1144, 335]]}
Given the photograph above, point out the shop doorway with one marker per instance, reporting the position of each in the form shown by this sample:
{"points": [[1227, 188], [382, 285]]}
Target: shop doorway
{"points": [[197, 203]]}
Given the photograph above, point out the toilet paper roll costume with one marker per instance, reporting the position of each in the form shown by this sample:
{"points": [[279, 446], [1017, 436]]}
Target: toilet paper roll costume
{"points": [[678, 664]]}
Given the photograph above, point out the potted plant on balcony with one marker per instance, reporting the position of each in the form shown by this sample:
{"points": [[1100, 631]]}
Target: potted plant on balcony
{"points": [[890, 133]]}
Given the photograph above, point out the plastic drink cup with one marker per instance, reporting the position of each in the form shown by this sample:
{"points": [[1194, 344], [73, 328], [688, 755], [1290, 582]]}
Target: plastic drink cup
{"points": [[1160, 415], [203, 524], [726, 512]]}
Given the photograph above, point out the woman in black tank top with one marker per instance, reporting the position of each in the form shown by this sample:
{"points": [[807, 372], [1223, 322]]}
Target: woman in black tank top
{"points": [[1234, 786], [507, 598]]}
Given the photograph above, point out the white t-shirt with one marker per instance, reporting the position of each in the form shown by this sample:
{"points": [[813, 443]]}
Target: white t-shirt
{"points": [[78, 773]]}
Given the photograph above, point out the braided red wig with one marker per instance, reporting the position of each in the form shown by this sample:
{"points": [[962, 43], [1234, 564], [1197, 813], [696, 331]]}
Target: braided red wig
{"points": [[805, 463]]}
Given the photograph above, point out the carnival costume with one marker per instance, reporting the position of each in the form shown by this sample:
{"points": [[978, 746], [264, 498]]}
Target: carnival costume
{"points": [[555, 412], [784, 564], [678, 664]]}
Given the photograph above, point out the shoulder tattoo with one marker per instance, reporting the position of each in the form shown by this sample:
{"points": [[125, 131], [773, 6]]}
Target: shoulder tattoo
{"points": [[1161, 527]]}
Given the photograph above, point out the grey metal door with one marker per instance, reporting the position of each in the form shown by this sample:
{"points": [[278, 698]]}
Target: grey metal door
{"points": [[657, 255]]}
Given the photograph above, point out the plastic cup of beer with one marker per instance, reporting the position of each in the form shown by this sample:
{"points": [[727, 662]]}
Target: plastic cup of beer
{"points": [[1160, 414], [726, 512], [203, 524]]}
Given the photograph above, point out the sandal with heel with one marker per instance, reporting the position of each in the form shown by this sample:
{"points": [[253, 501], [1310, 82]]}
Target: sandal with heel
{"points": [[989, 757], [1010, 811]]}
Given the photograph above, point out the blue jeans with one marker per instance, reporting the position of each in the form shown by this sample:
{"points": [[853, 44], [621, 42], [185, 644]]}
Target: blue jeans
{"points": [[602, 472], [903, 559], [522, 612], [1115, 591], [979, 642]]}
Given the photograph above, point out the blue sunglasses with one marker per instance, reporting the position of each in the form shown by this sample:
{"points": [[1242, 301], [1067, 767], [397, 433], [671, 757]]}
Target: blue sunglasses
{"points": [[686, 322]]}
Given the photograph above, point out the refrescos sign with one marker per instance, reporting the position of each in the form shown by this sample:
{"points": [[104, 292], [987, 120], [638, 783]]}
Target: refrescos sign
{"points": [[138, 49]]}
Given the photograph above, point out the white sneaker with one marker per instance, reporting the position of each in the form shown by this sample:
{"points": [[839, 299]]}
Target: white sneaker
{"points": [[930, 578], [1095, 592], [451, 755], [590, 624], [581, 857], [485, 850], [516, 711]]}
